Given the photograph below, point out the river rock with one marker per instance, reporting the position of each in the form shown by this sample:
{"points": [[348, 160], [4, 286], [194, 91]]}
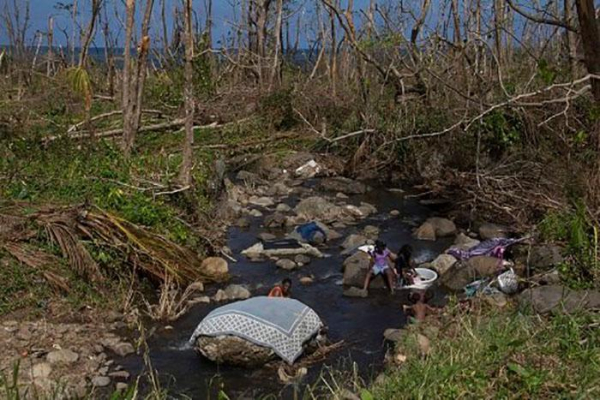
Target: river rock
{"points": [[279, 189], [393, 335], [234, 351], [121, 386], [100, 381], [255, 214], [367, 209], [122, 349], [352, 242], [64, 356], [425, 232], [464, 242], [395, 213], [496, 300], [341, 196], [199, 300], [302, 259], [41, 371], [261, 201], [248, 177], [547, 278], [318, 208], [353, 291], [443, 263], [215, 266], [229, 211], [343, 185], [306, 280], [464, 272], [275, 221], [237, 292], [545, 257], [286, 264], [266, 237], [492, 231], [242, 223], [355, 270], [443, 227], [371, 232], [556, 298], [122, 375], [283, 208]]}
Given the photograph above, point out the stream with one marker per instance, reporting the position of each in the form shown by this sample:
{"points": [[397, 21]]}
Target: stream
{"points": [[360, 322]]}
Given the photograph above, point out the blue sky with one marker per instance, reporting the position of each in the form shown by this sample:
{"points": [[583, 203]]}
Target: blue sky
{"points": [[41, 10]]}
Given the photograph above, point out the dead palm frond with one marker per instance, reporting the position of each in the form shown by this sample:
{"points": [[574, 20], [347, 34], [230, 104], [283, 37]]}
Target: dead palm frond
{"points": [[172, 303]]}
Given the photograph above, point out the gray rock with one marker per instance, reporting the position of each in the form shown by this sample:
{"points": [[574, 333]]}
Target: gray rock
{"points": [[234, 351], [237, 292], [545, 257], [220, 296], [64, 356], [302, 259], [41, 370], [367, 208], [395, 213], [341, 196], [343, 185], [229, 211], [100, 381], [283, 208], [443, 227], [279, 189], [355, 292], [122, 375], [317, 208], [355, 271], [261, 201], [286, 264], [266, 237], [122, 349], [352, 242], [556, 298], [121, 386], [464, 272], [491, 231], [496, 300], [371, 232], [443, 263], [393, 335], [425, 232], [464, 242], [275, 221], [248, 177], [255, 214], [547, 278], [216, 267]]}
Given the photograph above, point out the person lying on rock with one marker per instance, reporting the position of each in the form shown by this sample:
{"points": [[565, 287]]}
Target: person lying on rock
{"points": [[418, 309], [405, 266], [283, 290], [381, 258]]}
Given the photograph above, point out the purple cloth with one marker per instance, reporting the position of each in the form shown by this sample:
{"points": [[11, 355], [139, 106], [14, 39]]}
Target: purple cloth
{"points": [[491, 248]]}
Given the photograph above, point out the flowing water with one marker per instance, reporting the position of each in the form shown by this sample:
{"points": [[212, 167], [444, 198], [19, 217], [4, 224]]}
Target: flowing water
{"points": [[360, 322]]}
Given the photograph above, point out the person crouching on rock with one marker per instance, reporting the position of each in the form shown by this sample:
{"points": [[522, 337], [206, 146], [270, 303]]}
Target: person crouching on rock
{"points": [[381, 258], [418, 309], [283, 290], [405, 266]]}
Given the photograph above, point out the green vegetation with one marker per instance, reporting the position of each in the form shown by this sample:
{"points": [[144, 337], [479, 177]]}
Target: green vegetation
{"points": [[501, 355]]}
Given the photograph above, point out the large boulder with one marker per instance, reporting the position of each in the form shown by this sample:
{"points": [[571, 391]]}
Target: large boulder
{"points": [[425, 232], [216, 267], [352, 242], [545, 257], [492, 231], [556, 298], [343, 185], [355, 271], [258, 250], [232, 292], [464, 272], [315, 207], [234, 350], [443, 263], [443, 226]]}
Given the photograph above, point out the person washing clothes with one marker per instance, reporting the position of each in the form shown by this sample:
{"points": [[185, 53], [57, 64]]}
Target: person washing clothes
{"points": [[405, 266], [381, 259]]}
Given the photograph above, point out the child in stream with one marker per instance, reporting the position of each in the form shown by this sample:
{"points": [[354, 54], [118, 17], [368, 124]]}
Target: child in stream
{"points": [[380, 266], [418, 309], [405, 266], [282, 290]]}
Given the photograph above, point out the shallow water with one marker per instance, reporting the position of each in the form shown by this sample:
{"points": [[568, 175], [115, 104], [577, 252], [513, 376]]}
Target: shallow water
{"points": [[359, 322]]}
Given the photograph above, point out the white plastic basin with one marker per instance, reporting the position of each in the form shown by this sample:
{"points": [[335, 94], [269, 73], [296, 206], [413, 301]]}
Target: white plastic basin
{"points": [[427, 277]]}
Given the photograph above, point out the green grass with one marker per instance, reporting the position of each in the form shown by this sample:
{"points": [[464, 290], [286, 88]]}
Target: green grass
{"points": [[502, 355]]}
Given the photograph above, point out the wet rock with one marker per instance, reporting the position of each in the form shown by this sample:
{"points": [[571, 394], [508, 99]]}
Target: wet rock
{"points": [[353, 212], [41, 371], [255, 214], [199, 300], [308, 170], [258, 250], [464, 242], [229, 211], [343, 185], [261, 201], [248, 177], [122, 349], [302, 259], [266, 237], [318, 208], [237, 292], [556, 298], [464, 272], [393, 335], [215, 266], [121, 386], [283, 208], [63, 356], [341, 196], [339, 225], [371, 232], [234, 351], [425, 232], [355, 271], [443, 263], [355, 292], [395, 213], [367, 209], [491, 231], [100, 381], [286, 264], [242, 223], [443, 227], [306, 280], [275, 221], [279, 189], [220, 296], [122, 375], [545, 257], [352, 242]]}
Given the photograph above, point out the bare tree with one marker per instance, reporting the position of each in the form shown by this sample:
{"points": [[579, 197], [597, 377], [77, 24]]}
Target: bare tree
{"points": [[188, 143], [96, 6], [590, 37]]}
